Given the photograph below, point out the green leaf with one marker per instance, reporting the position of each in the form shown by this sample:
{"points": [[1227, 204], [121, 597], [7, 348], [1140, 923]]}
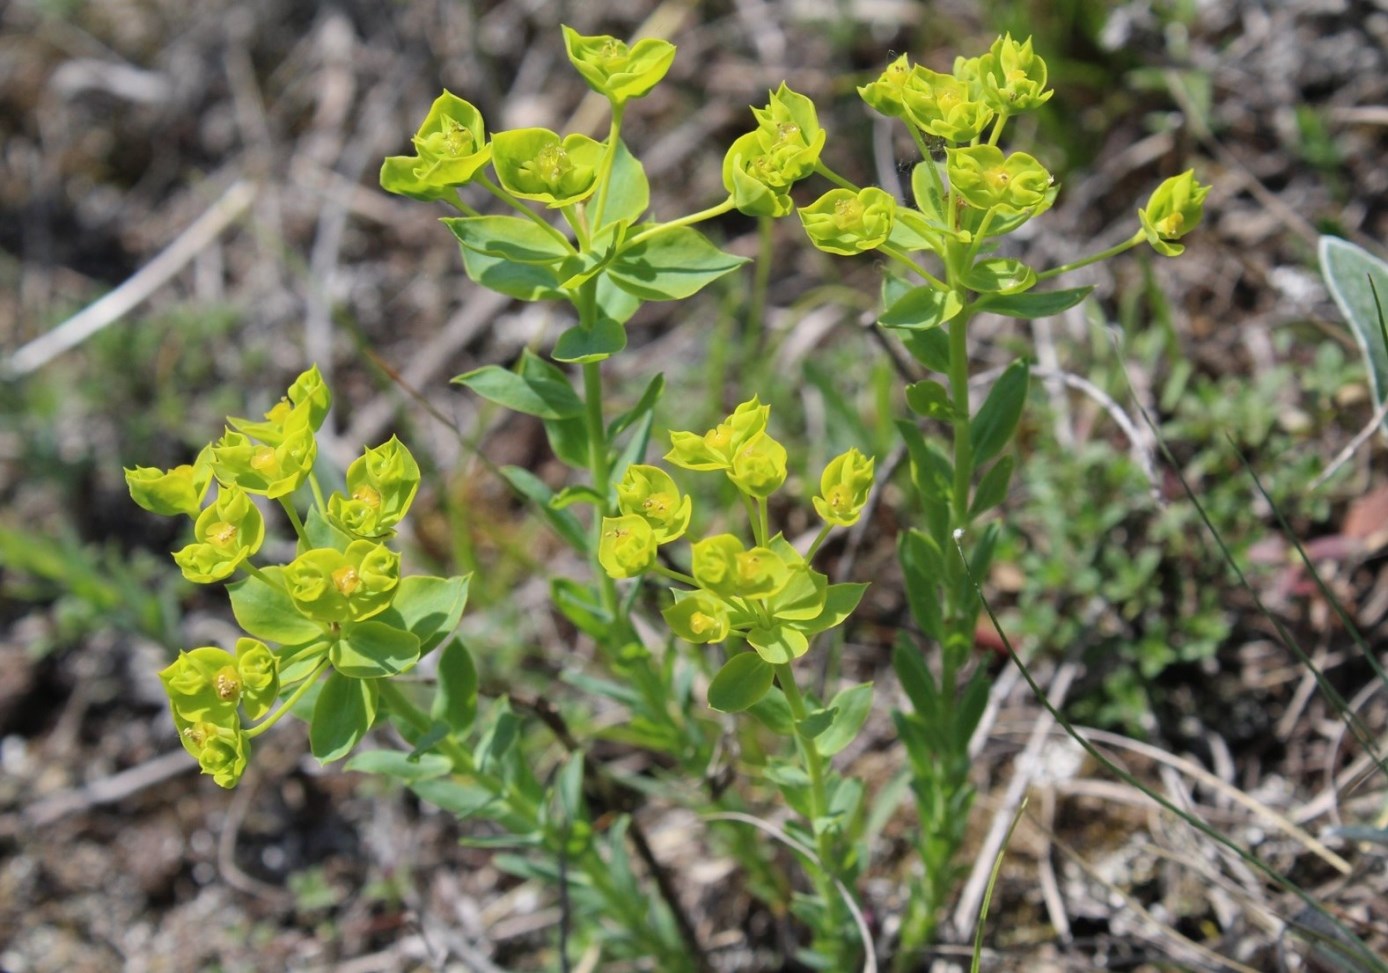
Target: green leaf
{"points": [[400, 765], [525, 282], [817, 722], [923, 566], [582, 606], [501, 735], [537, 389], [458, 799], [930, 399], [643, 406], [850, 708], [840, 600], [266, 612], [930, 348], [1032, 304], [320, 533], [455, 693], [373, 649], [670, 265], [531, 487], [569, 440], [778, 643], [628, 192], [915, 678], [774, 712], [1353, 276], [932, 474], [992, 489], [743, 680], [997, 418], [921, 309], [580, 344], [428, 607], [911, 231], [999, 275], [971, 705], [508, 237], [574, 494], [926, 191], [345, 710]]}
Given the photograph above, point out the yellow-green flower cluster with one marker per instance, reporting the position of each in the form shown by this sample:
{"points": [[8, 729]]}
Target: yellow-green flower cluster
{"points": [[1010, 185], [613, 69], [450, 148], [208, 688], [761, 166], [315, 608], [958, 107], [766, 593], [846, 222]]}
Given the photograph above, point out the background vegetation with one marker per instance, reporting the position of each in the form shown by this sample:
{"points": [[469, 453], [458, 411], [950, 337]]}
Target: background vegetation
{"points": [[261, 125]]}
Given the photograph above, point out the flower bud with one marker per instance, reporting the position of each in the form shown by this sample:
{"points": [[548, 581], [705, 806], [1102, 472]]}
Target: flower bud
{"points": [[221, 750], [258, 669], [627, 546], [535, 163], [887, 94], [381, 485], [227, 532], [451, 146], [328, 585], [698, 617], [203, 684], [1175, 208], [651, 494], [715, 449], [613, 69], [987, 179], [272, 470], [761, 166], [944, 106], [844, 488], [1013, 77], [171, 492], [844, 222], [759, 468], [723, 566]]}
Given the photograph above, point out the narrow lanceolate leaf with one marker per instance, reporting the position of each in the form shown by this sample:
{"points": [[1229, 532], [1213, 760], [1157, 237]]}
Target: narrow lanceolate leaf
{"points": [[538, 389], [525, 282], [992, 489], [743, 680], [1032, 304], [345, 710], [997, 419], [671, 265], [1359, 283]]}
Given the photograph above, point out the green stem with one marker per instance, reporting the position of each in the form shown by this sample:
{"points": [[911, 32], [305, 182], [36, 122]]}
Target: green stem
{"points": [[834, 177], [703, 214], [1123, 247], [914, 267], [288, 704], [761, 275], [674, 575], [814, 548], [317, 493], [614, 135], [997, 128], [819, 799], [923, 149], [525, 211], [294, 520], [260, 575]]}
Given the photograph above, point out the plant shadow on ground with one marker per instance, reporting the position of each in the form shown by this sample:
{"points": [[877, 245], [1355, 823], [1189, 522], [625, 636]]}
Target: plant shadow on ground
{"points": [[124, 125]]}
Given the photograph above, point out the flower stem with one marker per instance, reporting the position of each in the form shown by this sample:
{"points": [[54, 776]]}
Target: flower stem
{"points": [[703, 214], [294, 520], [293, 698], [1123, 247]]}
